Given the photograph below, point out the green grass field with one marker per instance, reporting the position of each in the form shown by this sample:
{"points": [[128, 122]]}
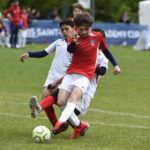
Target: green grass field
{"points": [[119, 114]]}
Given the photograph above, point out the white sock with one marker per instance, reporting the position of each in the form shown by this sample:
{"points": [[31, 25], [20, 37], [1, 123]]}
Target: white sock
{"points": [[67, 112], [62, 108], [39, 108], [74, 120]]}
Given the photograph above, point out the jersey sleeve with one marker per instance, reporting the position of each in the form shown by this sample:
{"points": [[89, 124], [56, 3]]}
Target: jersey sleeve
{"points": [[7, 12], [51, 48], [104, 61], [102, 45]]}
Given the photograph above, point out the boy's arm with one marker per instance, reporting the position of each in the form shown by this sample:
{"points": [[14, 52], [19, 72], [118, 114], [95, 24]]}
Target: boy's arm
{"points": [[109, 56], [38, 54], [33, 55], [72, 45], [51, 48], [7, 12], [55, 84]]}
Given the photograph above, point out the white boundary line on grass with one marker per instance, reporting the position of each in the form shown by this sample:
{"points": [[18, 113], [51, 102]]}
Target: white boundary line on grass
{"points": [[121, 125], [96, 122], [14, 103], [119, 113], [91, 109]]}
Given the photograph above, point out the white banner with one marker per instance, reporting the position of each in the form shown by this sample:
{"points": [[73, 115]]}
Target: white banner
{"points": [[85, 3]]}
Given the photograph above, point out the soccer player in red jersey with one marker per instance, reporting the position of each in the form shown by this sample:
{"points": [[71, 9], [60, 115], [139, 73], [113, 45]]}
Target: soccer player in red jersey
{"points": [[14, 17], [84, 47], [77, 9]]}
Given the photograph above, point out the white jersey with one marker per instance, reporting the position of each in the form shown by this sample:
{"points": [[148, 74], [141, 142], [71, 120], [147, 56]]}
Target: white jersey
{"points": [[101, 61], [84, 101], [61, 60]]}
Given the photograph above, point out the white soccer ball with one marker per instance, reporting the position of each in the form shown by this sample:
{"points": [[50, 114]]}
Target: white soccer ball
{"points": [[41, 134]]}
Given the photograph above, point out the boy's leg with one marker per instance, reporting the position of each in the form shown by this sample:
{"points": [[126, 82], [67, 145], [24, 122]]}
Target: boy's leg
{"points": [[19, 39], [76, 84], [69, 109], [7, 41], [43, 104], [24, 38], [45, 92], [71, 104], [50, 112]]}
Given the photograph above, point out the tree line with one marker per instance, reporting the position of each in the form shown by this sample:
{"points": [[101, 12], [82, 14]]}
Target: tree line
{"points": [[105, 10]]}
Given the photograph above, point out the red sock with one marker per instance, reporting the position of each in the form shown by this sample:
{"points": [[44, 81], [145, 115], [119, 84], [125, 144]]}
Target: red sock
{"points": [[47, 102], [51, 115]]}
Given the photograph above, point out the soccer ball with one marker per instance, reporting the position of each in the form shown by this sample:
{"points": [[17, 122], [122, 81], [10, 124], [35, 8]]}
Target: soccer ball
{"points": [[41, 134]]}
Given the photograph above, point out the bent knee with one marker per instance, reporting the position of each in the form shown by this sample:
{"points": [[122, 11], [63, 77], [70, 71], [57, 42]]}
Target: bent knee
{"points": [[61, 103]]}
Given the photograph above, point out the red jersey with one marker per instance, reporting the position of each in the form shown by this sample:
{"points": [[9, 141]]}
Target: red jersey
{"points": [[24, 21], [85, 54], [72, 19], [14, 11]]}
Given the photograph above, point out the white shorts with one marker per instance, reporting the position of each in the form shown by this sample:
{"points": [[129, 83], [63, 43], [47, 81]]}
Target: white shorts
{"points": [[83, 104], [71, 80], [22, 33], [51, 78]]}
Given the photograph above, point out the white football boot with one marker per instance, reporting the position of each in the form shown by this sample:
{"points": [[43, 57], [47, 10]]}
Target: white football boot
{"points": [[35, 107]]}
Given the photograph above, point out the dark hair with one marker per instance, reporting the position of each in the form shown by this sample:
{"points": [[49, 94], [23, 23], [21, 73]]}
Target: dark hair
{"points": [[84, 19], [77, 5], [99, 30], [67, 22]]}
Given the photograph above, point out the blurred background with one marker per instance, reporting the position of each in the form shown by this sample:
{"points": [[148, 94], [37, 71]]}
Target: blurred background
{"points": [[126, 23]]}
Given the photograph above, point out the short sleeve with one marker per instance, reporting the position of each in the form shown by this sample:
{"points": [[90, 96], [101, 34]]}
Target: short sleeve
{"points": [[102, 45], [52, 47]]}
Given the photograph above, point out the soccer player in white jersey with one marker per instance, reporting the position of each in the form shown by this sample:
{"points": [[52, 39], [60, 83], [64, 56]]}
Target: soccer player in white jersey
{"points": [[84, 102], [60, 62]]}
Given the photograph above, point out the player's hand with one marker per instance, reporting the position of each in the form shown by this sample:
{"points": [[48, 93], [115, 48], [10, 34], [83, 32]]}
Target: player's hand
{"points": [[24, 56], [117, 70], [51, 87], [74, 36]]}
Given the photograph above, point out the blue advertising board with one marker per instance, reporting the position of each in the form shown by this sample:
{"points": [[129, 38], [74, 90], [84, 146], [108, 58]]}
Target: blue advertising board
{"points": [[44, 31], [120, 33]]}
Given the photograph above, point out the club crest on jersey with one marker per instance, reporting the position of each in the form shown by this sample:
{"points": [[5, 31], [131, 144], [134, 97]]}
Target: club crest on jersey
{"points": [[92, 42]]}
